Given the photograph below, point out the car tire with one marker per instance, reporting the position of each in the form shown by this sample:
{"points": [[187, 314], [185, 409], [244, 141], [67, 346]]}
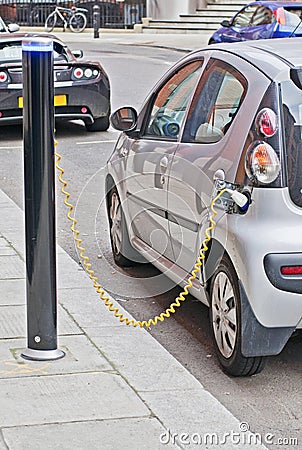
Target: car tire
{"points": [[100, 124], [225, 317], [119, 237]]}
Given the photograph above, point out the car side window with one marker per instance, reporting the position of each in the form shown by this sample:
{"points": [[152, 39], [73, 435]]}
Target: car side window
{"points": [[216, 102], [262, 16], [169, 106], [59, 53], [243, 18]]}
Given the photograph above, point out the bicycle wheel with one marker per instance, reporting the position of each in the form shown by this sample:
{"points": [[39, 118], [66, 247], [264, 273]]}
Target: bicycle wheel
{"points": [[50, 22], [78, 22]]}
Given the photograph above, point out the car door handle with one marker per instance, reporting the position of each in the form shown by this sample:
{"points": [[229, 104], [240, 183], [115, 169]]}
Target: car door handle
{"points": [[163, 164]]}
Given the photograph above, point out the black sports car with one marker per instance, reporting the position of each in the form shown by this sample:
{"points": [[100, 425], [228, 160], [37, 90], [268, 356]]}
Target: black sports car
{"points": [[82, 88]]}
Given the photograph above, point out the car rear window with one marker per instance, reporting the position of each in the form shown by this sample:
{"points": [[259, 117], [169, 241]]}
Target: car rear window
{"points": [[292, 128], [12, 52]]}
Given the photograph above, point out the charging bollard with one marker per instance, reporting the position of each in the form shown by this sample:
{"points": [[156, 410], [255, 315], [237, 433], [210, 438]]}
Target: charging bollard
{"points": [[39, 190], [96, 20]]}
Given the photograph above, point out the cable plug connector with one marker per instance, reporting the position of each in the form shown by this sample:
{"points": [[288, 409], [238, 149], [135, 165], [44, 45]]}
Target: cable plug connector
{"points": [[241, 199]]}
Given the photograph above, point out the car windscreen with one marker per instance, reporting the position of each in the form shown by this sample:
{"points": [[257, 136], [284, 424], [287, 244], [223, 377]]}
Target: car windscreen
{"points": [[2, 26], [11, 52], [292, 131]]}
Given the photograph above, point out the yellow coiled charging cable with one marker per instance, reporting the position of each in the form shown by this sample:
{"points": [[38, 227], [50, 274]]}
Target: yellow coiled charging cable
{"points": [[100, 291]]}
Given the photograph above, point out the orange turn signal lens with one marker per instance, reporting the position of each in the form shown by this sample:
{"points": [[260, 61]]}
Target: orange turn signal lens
{"points": [[262, 163]]}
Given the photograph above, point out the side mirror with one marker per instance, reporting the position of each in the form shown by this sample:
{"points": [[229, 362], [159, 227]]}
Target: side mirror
{"points": [[225, 23], [124, 119], [13, 27], [77, 53]]}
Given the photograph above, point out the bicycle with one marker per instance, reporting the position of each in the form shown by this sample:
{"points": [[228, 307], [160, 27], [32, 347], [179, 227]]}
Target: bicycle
{"points": [[74, 18]]}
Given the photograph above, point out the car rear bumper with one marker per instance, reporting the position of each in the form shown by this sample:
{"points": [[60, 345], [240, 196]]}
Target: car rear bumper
{"points": [[259, 243], [83, 102], [274, 262]]}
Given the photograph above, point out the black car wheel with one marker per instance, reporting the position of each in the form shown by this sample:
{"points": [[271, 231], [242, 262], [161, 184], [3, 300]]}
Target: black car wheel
{"points": [[120, 242], [100, 124], [225, 315]]}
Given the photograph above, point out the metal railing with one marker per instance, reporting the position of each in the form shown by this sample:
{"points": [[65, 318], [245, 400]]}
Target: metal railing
{"points": [[113, 14]]}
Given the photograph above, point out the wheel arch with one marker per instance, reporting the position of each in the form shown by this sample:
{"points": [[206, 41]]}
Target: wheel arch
{"points": [[213, 258], [109, 184], [256, 339]]}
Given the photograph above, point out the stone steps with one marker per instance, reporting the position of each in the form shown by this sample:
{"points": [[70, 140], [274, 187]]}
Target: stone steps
{"points": [[205, 19]]}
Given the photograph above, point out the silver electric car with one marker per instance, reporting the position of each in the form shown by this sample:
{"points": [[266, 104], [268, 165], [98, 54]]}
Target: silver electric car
{"points": [[224, 121]]}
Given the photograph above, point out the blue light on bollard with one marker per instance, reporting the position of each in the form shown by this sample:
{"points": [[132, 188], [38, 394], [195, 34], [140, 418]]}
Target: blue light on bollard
{"points": [[39, 191]]}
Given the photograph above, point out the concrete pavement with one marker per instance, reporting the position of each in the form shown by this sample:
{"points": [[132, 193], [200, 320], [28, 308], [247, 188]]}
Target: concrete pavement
{"points": [[116, 388]]}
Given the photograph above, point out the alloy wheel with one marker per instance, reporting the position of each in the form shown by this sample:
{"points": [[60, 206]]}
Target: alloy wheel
{"points": [[115, 214], [224, 315]]}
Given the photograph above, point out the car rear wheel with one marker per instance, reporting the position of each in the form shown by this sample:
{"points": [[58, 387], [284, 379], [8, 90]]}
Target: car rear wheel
{"points": [[225, 315], [100, 124], [120, 242]]}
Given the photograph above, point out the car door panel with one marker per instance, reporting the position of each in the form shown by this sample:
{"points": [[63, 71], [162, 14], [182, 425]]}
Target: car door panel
{"points": [[146, 190], [149, 158]]}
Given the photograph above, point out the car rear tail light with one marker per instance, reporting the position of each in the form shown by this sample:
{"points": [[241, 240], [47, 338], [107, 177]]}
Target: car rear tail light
{"points": [[78, 73], [84, 110], [85, 73], [3, 77], [262, 162], [88, 73], [280, 16], [291, 270], [267, 122]]}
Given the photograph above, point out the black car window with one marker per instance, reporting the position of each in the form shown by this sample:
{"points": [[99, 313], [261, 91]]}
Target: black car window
{"points": [[292, 126], [2, 26], [167, 112], [216, 102], [12, 52], [244, 17], [262, 16]]}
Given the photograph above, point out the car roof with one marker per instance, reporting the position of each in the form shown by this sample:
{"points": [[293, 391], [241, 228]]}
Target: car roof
{"points": [[271, 56]]}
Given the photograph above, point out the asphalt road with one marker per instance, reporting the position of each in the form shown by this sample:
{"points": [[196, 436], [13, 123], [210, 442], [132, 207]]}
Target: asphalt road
{"points": [[270, 403]]}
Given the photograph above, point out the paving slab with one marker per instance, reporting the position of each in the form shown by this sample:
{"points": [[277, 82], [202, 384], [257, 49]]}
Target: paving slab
{"points": [[81, 356], [11, 267], [69, 398], [12, 292], [126, 434], [13, 319]]}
